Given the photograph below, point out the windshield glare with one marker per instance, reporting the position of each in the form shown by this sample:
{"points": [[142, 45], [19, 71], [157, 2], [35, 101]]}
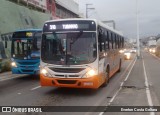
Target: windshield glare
{"points": [[69, 48], [26, 48]]}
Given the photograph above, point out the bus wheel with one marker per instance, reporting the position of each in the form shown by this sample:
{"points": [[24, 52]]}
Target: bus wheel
{"points": [[106, 78], [120, 63]]}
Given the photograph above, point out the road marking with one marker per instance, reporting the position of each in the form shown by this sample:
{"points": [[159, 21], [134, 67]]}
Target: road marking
{"points": [[130, 70], [122, 84], [35, 88], [10, 78], [148, 93], [114, 96], [19, 93], [155, 56]]}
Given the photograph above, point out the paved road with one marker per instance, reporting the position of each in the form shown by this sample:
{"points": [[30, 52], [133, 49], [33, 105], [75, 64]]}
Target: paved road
{"points": [[127, 88], [142, 86]]}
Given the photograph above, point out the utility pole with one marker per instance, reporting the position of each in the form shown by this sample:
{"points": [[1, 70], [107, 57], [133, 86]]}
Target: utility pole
{"points": [[138, 47], [88, 9]]}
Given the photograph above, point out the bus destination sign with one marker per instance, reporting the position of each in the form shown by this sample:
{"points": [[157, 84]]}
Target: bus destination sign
{"points": [[69, 25]]}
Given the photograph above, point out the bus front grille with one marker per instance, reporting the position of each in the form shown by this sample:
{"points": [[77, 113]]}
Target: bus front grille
{"points": [[67, 70], [23, 70], [28, 63], [66, 81], [68, 76]]}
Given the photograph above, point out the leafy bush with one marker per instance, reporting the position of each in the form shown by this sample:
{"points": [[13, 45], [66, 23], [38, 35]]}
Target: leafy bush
{"points": [[5, 65]]}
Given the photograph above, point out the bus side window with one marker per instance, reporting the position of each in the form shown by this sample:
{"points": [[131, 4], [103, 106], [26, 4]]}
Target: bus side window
{"points": [[119, 41], [100, 41], [107, 40], [116, 42], [103, 41], [112, 39], [122, 42]]}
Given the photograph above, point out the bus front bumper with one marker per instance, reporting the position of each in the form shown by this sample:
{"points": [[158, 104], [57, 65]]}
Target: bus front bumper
{"points": [[92, 82], [25, 71]]}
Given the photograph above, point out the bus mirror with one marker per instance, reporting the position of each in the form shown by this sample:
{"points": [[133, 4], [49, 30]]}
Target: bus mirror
{"points": [[44, 38], [94, 52], [5, 44]]}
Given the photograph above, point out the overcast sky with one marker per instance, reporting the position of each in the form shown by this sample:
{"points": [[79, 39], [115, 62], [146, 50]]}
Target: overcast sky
{"points": [[124, 14]]}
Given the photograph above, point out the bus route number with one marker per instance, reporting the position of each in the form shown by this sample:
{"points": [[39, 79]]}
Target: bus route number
{"points": [[52, 27], [29, 34]]}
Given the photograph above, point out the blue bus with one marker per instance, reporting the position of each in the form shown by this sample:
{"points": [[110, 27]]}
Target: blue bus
{"points": [[25, 51]]}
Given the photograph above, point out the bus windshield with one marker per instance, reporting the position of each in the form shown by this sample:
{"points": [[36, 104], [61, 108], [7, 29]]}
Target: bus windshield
{"points": [[69, 48], [26, 48]]}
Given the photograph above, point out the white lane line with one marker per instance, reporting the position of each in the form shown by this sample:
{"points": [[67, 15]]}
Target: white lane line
{"points": [[9, 78], [35, 88], [130, 70], [122, 83], [155, 56], [148, 93], [114, 96]]}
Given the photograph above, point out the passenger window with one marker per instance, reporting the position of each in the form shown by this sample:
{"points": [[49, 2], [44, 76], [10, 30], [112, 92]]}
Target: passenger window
{"points": [[107, 40], [100, 41]]}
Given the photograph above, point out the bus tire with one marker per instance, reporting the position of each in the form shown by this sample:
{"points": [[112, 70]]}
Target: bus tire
{"points": [[120, 64], [107, 77]]}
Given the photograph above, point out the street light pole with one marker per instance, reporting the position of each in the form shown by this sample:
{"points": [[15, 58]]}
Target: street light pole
{"points": [[87, 9], [138, 47]]}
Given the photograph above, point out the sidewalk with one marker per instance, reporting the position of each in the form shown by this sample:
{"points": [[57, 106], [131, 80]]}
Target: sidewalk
{"points": [[5, 73]]}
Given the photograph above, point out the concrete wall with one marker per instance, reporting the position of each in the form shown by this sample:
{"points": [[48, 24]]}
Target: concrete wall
{"points": [[14, 17], [70, 5]]}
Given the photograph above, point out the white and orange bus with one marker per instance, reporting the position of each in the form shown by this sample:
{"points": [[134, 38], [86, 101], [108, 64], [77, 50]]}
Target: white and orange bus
{"points": [[79, 53]]}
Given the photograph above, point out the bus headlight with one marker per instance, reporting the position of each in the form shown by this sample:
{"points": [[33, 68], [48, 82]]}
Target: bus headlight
{"points": [[121, 51], [45, 72], [150, 50], [127, 55], [91, 73], [153, 50], [13, 64]]}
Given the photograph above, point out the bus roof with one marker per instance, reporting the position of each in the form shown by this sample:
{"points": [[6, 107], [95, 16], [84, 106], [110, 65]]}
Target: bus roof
{"points": [[98, 22], [110, 28], [28, 30]]}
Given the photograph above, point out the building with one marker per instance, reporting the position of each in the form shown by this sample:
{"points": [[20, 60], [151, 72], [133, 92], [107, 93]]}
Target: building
{"points": [[23, 14], [57, 8], [63, 8]]}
